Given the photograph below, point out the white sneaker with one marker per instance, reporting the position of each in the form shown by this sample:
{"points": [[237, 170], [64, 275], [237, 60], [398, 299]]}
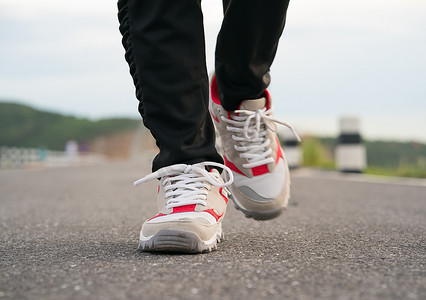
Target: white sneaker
{"points": [[191, 206], [261, 186]]}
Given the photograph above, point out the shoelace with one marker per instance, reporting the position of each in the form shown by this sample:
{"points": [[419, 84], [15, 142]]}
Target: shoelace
{"points": [[188, 184], [251, 129]]}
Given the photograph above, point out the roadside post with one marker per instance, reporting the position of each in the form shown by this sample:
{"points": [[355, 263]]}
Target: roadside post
{"points": [[350, 151]]}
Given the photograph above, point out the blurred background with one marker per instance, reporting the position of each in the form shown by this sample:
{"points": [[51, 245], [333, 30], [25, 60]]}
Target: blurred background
{"points": [[66, 95]]}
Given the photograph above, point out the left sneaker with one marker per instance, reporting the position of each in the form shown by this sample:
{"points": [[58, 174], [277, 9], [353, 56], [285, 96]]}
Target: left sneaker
{"points": [[191, 206], [261, 187]]}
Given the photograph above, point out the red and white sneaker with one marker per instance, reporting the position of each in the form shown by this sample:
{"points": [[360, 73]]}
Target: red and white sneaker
{"points": [[191, 204], [261, 186]]}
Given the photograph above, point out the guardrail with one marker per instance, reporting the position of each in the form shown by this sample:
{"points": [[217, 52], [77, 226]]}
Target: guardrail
{"points": [[16, 157]]}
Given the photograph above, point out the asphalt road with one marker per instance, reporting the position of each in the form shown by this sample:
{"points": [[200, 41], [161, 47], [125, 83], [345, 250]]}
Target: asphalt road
{"points": [[72, 233]]}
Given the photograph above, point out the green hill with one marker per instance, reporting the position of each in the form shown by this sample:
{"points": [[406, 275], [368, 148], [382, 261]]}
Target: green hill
{"points": [[24, 126]]}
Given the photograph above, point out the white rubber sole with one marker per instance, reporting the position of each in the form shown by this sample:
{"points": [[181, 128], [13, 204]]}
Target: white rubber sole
{"points": [[179, 241], [258, 215]]}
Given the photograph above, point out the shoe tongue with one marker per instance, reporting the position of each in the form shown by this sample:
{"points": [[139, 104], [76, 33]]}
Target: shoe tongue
{"points": [[254, 104]]}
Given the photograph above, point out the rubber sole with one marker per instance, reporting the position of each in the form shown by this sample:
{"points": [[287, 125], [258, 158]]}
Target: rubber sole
{"points": [[178, 241], [259, 216]]}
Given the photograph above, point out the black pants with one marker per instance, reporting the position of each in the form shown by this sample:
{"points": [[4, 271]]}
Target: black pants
{"points": [[164, 43]]}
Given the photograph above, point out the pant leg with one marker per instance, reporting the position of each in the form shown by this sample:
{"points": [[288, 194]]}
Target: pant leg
{"points": [[164, 43], [246, 47]]}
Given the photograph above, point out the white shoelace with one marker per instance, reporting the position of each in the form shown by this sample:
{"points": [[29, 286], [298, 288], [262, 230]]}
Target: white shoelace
{"points": [[251, 130], [188, 184]]}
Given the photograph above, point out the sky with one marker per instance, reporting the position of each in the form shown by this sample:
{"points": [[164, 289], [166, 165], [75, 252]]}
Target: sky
{"points": [[335, 58]]}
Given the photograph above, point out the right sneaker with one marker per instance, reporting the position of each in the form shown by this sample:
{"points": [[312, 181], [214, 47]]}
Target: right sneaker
{"points": [[191, 206], [251, 149]]}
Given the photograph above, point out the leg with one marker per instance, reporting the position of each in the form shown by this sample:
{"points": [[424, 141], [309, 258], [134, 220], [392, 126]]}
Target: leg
{"points": [[164, 42], [246, 47]]}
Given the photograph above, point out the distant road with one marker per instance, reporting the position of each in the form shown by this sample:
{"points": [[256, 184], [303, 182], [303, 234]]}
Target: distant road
{"points": [[72, 233]]}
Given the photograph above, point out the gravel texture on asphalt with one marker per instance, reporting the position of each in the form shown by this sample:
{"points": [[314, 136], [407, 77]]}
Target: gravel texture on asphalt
{"points": [[72, 233]]}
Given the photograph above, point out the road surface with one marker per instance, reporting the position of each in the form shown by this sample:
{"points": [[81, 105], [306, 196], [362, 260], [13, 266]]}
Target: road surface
{"points": [[72, 233]]}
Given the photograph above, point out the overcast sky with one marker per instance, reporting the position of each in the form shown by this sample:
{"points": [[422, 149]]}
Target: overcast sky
{"points": [[364, 58]]}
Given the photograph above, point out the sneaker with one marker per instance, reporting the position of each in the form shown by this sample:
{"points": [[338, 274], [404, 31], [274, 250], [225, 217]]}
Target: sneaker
{"points": [[191, 206], [261, 186]]}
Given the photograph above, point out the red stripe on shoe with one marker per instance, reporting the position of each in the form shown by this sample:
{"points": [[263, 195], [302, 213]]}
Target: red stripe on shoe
{"points": [[260, 170], [263, 169], [214, 214], [232, 166], [224, 197], [184, 208], [279, 151], [159, 215], [268, 100], [214, 92]]}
